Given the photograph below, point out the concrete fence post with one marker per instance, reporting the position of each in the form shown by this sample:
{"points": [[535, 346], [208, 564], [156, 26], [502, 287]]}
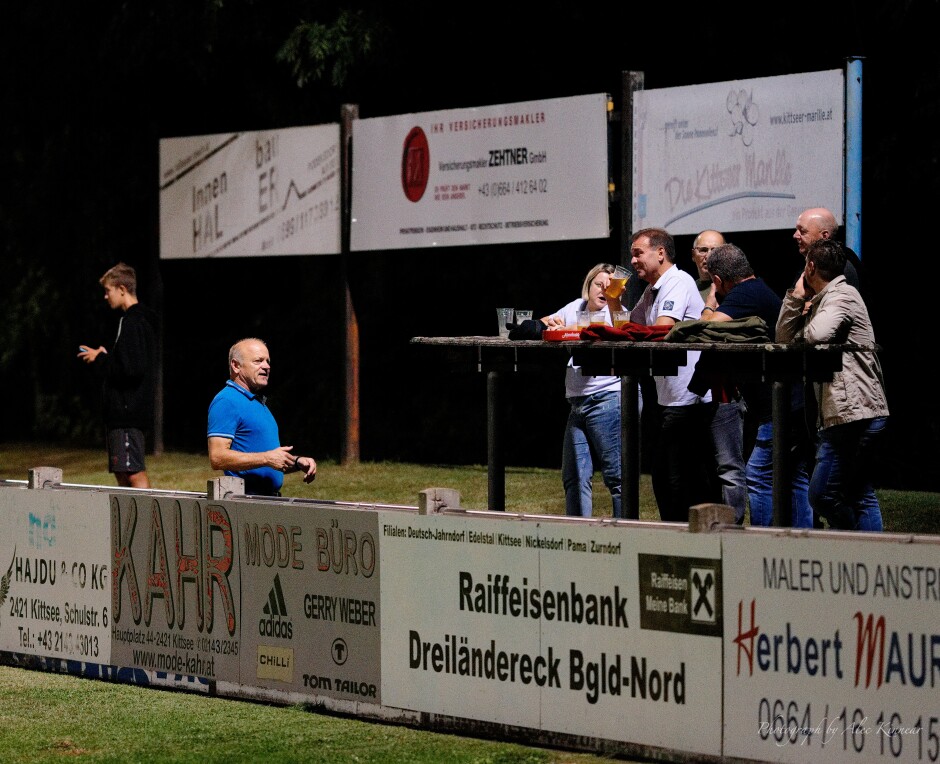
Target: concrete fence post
{"points": [[705, 518], [43, 477], [432, 500], [224, 487]]}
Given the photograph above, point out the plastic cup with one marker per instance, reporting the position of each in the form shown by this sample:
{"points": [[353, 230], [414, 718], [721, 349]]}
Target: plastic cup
{"points": [[620, 317], [584, 319], [598, 318], [523, 315], [504, 316], [618, 282]]}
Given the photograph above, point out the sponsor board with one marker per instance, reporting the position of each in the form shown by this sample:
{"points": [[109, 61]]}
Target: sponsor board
{"points": [[175, 586], [310, 600], [832, 648], [519, 172], [271, 192], [543, 625], [743, 155], [55, 575]]}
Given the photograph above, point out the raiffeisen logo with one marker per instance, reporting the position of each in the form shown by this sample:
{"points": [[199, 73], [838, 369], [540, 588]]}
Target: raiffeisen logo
{"points": [[276, 622], [415, 164]]}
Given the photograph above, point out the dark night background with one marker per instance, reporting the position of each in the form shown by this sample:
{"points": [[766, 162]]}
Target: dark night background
{"points": [[89, 89]]}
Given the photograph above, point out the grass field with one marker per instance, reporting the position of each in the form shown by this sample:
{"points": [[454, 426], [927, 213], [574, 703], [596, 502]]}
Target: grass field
{"points": [[54, 718], [50, 718], [528, 489]]}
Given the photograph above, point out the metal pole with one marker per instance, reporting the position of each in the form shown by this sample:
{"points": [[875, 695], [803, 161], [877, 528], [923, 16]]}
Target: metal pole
{"points": [[629, 386], [631, 82], [350, 453], [782, 490], [496, 467], [630, 445], [853, 154]]}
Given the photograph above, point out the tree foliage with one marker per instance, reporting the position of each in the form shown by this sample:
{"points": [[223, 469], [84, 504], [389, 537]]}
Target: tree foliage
{"points": [[315, 49]]}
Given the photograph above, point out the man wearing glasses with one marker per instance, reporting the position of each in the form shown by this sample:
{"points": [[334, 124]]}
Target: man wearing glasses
{"points": [[704, 243], [727, 425]]}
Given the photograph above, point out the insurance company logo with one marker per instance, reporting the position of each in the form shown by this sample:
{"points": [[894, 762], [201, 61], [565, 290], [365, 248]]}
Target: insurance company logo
{"points": [[275, 622], [415, 164]]}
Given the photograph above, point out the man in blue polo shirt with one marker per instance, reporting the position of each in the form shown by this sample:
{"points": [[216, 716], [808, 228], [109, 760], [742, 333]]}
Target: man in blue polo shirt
{"points": [[242, 433]]}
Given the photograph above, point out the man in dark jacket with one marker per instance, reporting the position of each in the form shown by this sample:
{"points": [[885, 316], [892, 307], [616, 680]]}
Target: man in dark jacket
{"points": [[737, 293], [128, 371]]}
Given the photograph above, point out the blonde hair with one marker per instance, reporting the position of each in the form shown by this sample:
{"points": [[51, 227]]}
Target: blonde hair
{"points": [[586, 286], [120, 275]]}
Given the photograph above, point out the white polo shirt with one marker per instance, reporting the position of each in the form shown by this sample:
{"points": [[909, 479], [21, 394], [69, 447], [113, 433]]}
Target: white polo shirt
{"points": [[674, 295]]}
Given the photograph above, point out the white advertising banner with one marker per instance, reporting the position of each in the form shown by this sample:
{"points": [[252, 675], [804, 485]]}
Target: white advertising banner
{"points": [[274, 192], [176, 602], [743, 155], [582, 629], [55, 580], [832, 649], [520, 172], [310, 601]]}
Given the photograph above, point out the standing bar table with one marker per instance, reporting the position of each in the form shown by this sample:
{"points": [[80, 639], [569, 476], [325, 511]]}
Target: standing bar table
{"points": [[781, 365]]}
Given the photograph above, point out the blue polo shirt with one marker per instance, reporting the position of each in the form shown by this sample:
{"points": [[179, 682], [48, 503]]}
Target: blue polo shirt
{"points": [[245, 418]]}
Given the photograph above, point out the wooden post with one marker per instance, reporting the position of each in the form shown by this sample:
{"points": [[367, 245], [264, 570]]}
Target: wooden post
{"points": [[630, 427], [350, 454]]}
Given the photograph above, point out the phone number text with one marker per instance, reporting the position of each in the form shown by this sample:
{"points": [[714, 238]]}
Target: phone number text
{"points": [[786, 722], [509, 187]]}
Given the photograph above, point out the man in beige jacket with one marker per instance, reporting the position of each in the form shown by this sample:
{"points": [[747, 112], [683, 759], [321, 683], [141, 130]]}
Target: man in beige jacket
{"points": [[853, 411]]}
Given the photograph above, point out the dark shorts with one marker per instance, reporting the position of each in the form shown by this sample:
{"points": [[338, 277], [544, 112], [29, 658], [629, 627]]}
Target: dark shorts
{"points": [[126, 451]]}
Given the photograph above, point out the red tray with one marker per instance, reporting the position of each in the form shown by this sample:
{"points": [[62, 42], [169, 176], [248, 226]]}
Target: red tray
{"points": [[560, 335]]}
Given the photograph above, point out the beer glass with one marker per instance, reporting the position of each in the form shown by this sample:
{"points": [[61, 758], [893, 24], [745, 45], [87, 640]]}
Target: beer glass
{"points": [[618, 282]]}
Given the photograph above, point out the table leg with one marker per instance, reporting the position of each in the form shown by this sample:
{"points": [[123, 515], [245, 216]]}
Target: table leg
{"points": [[496, 467], [630, 447], [782, 490]]}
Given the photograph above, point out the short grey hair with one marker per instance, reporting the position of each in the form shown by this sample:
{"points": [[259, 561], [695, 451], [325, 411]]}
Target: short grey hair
{"points": [[235, 352], [729, 263]]}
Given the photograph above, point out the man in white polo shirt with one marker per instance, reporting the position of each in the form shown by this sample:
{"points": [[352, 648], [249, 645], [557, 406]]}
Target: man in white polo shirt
{"points": [[683, 462]]}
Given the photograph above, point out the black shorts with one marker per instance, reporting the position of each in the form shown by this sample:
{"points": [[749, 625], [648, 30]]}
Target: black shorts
{"points": [[126, 451]]}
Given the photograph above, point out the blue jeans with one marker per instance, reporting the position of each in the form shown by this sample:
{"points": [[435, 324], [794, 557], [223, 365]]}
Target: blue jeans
{"points": [[592, 435], [728, 433], [840, 490], [760, 480]]}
